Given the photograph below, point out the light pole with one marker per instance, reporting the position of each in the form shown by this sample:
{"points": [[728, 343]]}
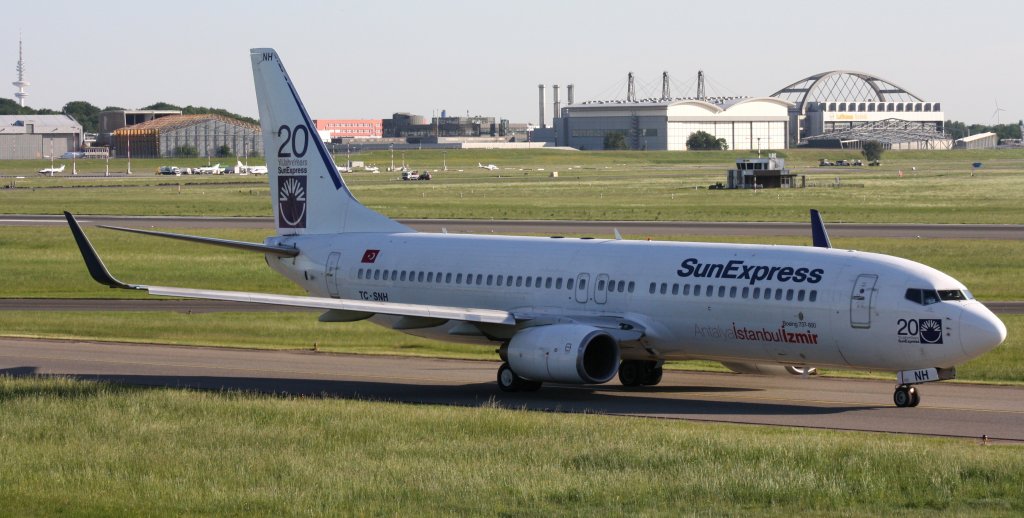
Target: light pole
{"points": [[444, 160], [758, 147], [129, 137], [392, 146]]}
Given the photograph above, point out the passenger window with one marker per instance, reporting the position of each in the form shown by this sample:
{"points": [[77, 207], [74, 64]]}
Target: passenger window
{"points": [[376, 275], [500, 279], [402, 277], [458, 279], [721, 291], [569, 283], [360, 275], [757, 293], [437, 277], [529, 282], [767, 293], [519, 281], [622, 286], [547, 283], [583, 284], [675, 289], [600, 285], [814, 296], [709, 291], [789, 294], [419, 277], [800, 296], [732, 292], [632, 285], [686, 289], [664, 288], [654, 286], [448, 278], [430, 277], [558, 283], [696, 290], [778, 294], [490, 279], [746, 292], [537, 282]]}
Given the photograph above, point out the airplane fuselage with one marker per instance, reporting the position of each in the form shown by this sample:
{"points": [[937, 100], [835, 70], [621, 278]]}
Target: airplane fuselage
{"points": [[724, 302]]}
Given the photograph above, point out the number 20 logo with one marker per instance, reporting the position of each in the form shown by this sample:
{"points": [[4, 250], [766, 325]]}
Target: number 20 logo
{"points": [[291, 145]]}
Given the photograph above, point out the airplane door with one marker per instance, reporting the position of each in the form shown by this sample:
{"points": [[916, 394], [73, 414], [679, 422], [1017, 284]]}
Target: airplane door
{"points": [[331, 273], [601, 289], [581, 287], [861, 300]]}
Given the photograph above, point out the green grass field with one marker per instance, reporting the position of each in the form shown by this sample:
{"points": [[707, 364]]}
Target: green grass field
{"points": [[94, 449], [662, 186]]}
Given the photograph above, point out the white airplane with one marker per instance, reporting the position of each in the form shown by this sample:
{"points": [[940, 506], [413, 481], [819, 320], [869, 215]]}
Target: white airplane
{"points": [[489, 167], [52, 170], [213, 169], [249, 169], [581, 311]]}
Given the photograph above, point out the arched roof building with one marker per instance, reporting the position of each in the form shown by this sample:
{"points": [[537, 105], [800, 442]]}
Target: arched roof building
{"points": [[850, 104], [665, 124]]}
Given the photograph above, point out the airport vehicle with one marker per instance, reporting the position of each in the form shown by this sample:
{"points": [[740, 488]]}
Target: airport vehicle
{"points": [[489, 167], [581, 311], [169, 170], [410, 175], [213, 169], [52, 170]]}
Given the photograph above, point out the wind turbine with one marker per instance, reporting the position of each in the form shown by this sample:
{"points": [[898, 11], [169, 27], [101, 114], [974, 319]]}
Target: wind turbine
{"points": [[996, 113]]}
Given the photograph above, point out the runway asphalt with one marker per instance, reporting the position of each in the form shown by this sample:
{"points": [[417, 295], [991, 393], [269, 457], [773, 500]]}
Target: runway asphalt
{"points": [[555, 227], [947, 409]]}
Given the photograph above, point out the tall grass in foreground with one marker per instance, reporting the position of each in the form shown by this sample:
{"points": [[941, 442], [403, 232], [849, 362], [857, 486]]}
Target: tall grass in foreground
{"points": [[83, 448], [1004, 364]]}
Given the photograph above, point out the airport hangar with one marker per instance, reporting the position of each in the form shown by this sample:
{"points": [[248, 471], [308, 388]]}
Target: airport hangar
{"points": [[838, 108], [205, 134], [26, 137]]}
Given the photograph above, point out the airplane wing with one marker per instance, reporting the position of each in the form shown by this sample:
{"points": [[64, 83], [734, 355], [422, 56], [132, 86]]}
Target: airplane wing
{"points": [[346, 309]]}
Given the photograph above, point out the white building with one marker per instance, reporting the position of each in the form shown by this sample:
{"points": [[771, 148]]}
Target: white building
{"points": [[744, 122]]}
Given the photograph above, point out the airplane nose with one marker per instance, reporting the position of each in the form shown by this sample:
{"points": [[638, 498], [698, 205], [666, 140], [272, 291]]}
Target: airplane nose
{"points": [[980, 330]]}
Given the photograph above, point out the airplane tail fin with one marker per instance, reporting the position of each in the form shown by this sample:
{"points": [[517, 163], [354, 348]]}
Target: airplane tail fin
{"points": [[307, 192]]}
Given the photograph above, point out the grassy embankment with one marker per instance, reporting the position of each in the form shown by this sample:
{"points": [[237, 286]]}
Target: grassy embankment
{"points": [[72, 447], [591, 185]]}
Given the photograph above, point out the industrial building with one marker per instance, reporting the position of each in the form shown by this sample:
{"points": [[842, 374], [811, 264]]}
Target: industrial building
{"points": [[409, 126], [113, 120], [665, 124], [841, 108], [26, 137], [175, 135], [333, 129]]}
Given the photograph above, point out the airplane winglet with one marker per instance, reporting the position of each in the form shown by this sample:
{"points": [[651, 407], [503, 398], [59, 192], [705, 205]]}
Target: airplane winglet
{"points": [[818, 234], [93, 262]]}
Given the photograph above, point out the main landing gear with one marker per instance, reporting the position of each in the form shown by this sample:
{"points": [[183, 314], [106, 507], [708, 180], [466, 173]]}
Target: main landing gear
{"points": [[509, 381], [634, 373]]}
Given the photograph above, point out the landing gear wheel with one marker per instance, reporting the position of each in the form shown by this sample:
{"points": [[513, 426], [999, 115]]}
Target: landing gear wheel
{"points": [[906, 396], [630, 373], [652, 375], [509, 381]]}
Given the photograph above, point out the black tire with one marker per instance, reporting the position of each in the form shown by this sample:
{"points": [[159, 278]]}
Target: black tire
{"points": [[902, 397], [630, 373], [508, 381], [915, 397], [652, 374]]}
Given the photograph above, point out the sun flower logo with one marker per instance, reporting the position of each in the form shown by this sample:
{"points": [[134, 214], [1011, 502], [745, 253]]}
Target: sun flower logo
{"points": [[930, 330], [291, 201]]}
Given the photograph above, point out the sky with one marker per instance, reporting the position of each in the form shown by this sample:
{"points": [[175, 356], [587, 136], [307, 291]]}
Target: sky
{"points": [[370, 59]]}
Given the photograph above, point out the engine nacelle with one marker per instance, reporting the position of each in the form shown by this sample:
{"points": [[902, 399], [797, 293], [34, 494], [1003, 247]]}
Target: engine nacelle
{"points": [[564, 353], [769, 369]]}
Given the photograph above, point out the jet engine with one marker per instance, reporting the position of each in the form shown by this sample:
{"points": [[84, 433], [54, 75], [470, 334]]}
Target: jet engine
{"points": [[563, 353], [769, 369]]}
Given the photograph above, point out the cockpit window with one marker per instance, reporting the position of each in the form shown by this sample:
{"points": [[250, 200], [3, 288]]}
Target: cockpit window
{"points": [[928, 297], [923, 297], [952, 295]]}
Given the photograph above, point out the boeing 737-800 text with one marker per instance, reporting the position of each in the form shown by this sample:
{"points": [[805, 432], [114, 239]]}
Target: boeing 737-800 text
{"points": [[583, 310]]}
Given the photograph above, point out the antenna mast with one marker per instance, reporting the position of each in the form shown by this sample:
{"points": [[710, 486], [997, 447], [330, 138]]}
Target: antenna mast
{"points": [[700, 85], [630, 89], [666, 90], [21, 83]]}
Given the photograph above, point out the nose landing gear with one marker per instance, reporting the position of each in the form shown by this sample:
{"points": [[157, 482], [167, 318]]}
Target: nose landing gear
{"points": [[906, 396]]}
